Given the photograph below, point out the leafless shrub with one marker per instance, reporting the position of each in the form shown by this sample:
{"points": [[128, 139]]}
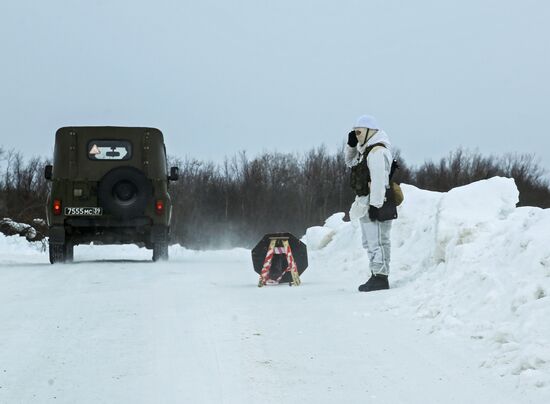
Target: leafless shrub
{"points": [[23, 188]]}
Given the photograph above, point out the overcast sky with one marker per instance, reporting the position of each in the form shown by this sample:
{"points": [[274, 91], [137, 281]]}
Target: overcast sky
{"points": [[218, 77]]}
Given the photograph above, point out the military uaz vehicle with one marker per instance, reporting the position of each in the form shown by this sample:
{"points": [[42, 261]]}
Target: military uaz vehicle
{"points": [[109, 186]]}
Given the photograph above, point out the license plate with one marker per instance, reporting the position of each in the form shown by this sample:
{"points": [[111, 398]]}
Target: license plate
{"points": [[83, 211]]}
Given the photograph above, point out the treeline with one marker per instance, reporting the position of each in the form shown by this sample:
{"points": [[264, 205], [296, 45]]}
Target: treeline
{"points": [[462, 167], [234, 203], [23, 188]]}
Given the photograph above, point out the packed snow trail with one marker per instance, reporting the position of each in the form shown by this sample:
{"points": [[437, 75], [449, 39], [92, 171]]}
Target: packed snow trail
{"points": [[198, 329]]}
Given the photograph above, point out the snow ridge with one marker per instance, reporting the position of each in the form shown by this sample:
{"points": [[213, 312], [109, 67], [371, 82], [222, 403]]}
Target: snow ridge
{"points": [[469, 263]]}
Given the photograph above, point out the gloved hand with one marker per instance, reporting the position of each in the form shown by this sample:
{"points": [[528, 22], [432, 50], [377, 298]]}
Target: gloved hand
{"points": [[373, 213], [352, 139]]}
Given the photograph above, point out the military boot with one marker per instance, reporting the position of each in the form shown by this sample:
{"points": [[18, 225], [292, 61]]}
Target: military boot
{"points": [[376, 282]]}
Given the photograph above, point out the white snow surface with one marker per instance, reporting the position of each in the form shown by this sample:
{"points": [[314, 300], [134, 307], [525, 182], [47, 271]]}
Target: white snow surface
{"points": [[467, 318]]}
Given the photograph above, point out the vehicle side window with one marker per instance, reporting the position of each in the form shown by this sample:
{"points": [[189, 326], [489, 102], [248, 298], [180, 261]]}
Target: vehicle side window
{"points": [[109, 150]]}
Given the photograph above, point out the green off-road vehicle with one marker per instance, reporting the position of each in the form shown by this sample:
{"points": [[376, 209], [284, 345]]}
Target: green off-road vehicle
{"points": [[109, 186]]}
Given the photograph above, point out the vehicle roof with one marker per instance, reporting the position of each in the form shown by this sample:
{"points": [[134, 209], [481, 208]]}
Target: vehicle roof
{"points": [[99, 129], [71, 151]]}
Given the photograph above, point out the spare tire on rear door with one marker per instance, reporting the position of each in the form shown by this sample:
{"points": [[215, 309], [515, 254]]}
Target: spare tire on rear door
{"points": [[124, 192]]}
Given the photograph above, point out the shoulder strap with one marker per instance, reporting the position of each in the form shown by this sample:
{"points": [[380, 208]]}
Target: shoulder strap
{"points": [[369, 149], [372, 146], [394, 166]]}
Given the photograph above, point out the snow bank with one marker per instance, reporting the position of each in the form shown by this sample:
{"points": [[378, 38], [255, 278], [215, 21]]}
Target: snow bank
{"points": [[12, 248], [471, 263], [17, 246], [318, 237]]}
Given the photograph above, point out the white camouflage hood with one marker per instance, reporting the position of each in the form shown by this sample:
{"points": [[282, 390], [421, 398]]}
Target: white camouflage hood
{"points": [[379, 137]]}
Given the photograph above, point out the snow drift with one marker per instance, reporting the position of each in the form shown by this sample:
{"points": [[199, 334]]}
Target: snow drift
{"points": [[470, 263]]}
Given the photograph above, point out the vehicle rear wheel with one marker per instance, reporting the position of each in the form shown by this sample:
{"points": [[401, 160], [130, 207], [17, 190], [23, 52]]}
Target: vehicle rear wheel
{"points": [[57, 253], [160, 251]]}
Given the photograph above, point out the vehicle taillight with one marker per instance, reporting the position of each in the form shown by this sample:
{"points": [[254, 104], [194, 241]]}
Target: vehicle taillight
{"points": [[56, 208], [159, 207]]}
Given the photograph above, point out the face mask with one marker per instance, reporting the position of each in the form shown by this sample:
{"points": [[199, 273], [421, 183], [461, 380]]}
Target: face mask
{"points": [[361, 134]]}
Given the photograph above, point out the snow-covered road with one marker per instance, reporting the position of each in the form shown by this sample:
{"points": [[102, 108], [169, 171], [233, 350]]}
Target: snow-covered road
{"points": [[198, 330]]}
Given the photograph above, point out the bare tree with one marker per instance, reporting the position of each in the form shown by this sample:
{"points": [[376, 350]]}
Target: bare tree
{"points": [[234, 203]]}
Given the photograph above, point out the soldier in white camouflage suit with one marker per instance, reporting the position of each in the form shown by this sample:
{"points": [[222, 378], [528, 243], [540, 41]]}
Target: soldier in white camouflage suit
{"points": [[370, 146]]}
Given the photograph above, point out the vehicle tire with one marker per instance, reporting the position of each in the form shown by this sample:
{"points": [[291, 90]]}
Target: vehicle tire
{"points": [[57, 253], [160, 251], [124, 192]]}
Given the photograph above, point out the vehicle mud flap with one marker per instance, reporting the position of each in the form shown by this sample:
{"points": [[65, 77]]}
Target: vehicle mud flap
{"points": [[279, 260]]}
